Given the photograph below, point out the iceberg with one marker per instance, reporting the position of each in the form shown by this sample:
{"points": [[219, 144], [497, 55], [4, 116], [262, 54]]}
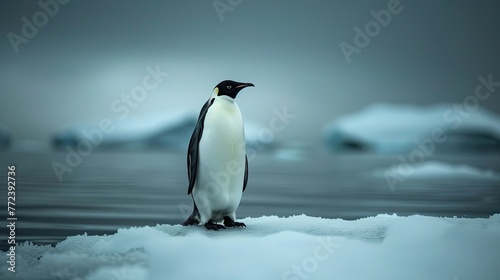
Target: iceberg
{"points": [[171, 130], [256, 135], [442, 170], [167, 131], [298, 247], [385, 128], [5, 137]]}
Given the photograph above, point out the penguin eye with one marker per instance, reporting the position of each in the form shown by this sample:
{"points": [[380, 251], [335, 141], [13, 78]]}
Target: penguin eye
{"points": [[228, 87]]}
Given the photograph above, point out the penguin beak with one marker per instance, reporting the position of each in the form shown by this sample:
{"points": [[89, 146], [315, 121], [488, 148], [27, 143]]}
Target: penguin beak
{"points": [[244, 85]]}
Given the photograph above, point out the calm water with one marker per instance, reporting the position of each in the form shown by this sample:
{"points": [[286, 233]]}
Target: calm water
{"points": [[114, 190]]}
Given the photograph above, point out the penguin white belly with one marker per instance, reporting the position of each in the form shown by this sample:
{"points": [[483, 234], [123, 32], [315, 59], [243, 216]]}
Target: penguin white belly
{"points": [[221, 166]]}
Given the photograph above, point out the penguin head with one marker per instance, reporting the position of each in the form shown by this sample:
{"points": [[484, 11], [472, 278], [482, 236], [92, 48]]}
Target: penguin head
{"points": [[230, 88]]}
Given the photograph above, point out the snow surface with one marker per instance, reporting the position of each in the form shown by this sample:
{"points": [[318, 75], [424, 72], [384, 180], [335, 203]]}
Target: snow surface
{"points": [[298, 247], [388, 128], [437, 169]]}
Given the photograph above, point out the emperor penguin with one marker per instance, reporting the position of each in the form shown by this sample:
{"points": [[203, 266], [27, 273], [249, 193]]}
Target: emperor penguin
{"points": [[216, 160]]}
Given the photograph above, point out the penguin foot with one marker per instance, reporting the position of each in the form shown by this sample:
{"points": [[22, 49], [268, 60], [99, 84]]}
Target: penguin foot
{"points": [[228, 222], [235, 224], [211, 226]]}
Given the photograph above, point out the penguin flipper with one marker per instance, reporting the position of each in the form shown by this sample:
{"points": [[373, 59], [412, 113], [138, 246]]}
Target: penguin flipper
{"points": [[192, 156], [245, 179], [193, 219]]}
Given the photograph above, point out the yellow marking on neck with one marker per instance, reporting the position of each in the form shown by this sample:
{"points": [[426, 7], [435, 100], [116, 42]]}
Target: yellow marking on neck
{"points": [[215, 92]]}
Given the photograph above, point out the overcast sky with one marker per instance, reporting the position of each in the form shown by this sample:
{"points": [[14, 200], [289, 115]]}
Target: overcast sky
{"points": [[89, 53]]}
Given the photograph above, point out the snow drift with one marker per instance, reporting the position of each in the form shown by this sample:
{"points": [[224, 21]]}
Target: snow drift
{"points": [[299, 247], [394, 128]]}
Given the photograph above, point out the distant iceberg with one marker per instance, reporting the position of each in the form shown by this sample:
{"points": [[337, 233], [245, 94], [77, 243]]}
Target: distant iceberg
{"points": [[298, 247], [166, 131], [5, 137], [382, 128], [171, 131], [256, 136], [440, 170]]}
